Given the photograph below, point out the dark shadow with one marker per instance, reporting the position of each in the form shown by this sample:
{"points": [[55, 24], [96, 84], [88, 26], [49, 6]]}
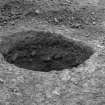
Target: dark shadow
{"points": [[45, 52]]}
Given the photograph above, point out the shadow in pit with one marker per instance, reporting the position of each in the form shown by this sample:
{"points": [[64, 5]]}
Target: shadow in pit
{"points": [[44, 51]]}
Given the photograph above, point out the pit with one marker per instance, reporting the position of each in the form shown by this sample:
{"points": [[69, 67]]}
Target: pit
{"points": [[44, 51]]}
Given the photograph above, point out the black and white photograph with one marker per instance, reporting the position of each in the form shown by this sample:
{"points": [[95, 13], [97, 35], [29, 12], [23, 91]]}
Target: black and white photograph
{"points": [[52, 52]]}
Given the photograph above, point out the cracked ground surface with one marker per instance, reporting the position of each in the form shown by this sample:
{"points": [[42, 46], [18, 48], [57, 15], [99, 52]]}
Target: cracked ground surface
{"points": [[20, 20]]}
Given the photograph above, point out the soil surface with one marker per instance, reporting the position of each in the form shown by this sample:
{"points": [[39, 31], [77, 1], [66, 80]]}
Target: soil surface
{"points": [[52, 52]]}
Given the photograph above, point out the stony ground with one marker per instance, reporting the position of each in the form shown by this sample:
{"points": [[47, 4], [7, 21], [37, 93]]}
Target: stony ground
{"points": [[76, 19]]}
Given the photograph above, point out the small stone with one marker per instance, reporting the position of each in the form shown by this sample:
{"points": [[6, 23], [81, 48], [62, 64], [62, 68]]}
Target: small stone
{"points": [[33, 53], [56, 20], [37, 11], [94, 23], [93, 13]]}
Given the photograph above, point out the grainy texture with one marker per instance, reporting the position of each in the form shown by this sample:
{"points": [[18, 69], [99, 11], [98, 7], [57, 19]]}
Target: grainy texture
{"points": [[80, 20], [45, 52]]}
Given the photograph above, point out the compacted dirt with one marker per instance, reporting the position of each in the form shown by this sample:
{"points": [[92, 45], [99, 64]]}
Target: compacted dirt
{"points": [[52, 52]]}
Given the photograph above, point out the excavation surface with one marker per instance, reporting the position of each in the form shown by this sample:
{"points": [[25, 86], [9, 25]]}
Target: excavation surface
{"points": [[46, 52]]}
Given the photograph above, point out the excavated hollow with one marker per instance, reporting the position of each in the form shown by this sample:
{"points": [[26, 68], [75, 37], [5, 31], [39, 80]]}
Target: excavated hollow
{"points": [[45, 51]]}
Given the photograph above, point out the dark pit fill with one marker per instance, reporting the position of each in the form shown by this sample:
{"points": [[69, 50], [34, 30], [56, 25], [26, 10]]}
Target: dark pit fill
{"points": [[45, 51]]}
